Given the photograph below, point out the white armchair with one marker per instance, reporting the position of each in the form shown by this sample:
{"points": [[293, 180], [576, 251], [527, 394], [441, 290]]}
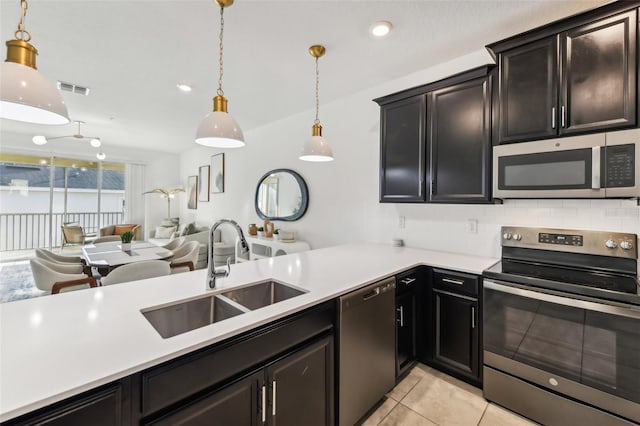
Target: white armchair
{"points": [[55, 278], [137, 271], [185, 257]]}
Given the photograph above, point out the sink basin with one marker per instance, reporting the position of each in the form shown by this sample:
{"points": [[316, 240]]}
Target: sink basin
{"points": [[184, 316], [262, 294]]}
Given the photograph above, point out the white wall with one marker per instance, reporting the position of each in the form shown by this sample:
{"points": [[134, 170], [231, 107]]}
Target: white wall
{"points": [[344, 194]]}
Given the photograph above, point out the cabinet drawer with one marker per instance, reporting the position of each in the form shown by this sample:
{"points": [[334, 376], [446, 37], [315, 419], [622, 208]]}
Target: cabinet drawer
{"points": [[408, 281], [456, 282]]}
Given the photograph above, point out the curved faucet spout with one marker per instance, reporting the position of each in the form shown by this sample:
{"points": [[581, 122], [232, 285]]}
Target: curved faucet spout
{"points": [[212, 273]]}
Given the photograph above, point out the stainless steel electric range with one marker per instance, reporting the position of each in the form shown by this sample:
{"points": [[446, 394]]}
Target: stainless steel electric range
{"points": [[561, 339]]}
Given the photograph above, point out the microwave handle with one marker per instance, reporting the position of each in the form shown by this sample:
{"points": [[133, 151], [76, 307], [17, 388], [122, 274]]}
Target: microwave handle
{"points": [[595, 167]]}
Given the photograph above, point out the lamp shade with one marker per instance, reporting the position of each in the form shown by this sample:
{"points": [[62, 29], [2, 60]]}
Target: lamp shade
{"points": [[25, 95], [219, 130], [316, 149]]}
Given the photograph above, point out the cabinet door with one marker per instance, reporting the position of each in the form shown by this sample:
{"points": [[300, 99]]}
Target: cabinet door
{"points": [[405, 330], [102, 407], [236, 404], [599, 75], [402, 150], [301, 387], [528, 91], [456, 333], [460, 142]]}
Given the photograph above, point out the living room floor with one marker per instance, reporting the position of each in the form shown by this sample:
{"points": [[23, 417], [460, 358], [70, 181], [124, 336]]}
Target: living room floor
{"points": [[427, 397]]}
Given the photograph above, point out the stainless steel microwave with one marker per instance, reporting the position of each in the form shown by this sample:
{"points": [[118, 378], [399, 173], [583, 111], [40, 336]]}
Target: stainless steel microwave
{"points": [[604, 165]]}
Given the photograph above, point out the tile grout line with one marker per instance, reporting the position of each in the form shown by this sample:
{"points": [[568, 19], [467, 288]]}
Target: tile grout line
{"points": [[426, 418], [483, 413]]}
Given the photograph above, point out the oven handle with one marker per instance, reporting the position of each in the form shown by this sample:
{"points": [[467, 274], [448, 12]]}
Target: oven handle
{"points": [[619, 309]]}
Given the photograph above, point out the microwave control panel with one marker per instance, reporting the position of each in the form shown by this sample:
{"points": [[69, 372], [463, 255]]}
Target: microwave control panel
{"points": [[620, 167]]}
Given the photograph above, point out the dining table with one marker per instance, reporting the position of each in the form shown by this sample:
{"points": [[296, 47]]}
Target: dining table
{"points": [[109, 255]]}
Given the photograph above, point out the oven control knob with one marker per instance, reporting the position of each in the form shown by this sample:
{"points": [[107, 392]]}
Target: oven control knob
{"points": [[626, 245], [506, 235], [611, 244], [517, 237]]}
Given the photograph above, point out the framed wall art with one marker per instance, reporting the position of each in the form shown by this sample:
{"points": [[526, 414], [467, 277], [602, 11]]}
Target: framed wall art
{"points": [[192, 192], [217, 173], [203, 179]]}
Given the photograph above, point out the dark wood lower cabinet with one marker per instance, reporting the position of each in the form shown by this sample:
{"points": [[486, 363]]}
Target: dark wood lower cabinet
{"points": [[100, 407], [296, 389], [456, 332], [300, 387], [235, 404], [453, 323]]}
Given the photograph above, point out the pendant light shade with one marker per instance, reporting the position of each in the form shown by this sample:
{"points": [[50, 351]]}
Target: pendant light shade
{"points": [[25, 95], [218, 129], [316, 148]]}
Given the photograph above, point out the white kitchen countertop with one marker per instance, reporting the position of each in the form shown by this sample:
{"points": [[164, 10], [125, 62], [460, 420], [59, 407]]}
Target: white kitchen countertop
{"points": [[57, 346]]}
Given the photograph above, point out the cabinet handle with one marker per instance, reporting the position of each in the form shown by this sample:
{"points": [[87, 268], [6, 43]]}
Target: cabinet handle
{"points": [[563, 116], [264, 404], [407, 281], [452, 281], [553, 117], [473, 317], [401, 310], [273, 407]]}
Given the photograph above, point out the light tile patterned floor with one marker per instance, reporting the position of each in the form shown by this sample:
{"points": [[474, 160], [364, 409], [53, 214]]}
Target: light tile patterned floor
{"points": [[427, 397]]}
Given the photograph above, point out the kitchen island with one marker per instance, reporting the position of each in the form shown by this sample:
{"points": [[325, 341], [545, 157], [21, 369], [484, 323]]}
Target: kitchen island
{"points": [[54, 347]]}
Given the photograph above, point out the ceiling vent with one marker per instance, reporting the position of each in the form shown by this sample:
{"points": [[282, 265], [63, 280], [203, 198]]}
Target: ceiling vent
{"points": [[69, 87]]}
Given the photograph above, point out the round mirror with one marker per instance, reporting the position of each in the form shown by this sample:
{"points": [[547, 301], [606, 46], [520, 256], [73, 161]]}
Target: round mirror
{"points": [[281, 195]]}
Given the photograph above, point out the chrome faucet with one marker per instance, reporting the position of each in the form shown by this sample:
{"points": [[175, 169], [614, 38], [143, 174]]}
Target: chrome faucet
{"points": [[212, 273]]}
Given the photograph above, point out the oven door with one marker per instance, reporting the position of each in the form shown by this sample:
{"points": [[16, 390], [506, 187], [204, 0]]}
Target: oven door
{"points": [[565, 168], [585, 349]]}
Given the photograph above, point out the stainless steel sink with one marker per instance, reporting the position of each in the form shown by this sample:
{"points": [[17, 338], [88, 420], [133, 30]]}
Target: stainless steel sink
{"points": [[184, 316], [262, 294]]}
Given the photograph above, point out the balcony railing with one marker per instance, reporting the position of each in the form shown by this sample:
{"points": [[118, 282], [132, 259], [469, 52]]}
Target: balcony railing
{"points": [[25, 231]]}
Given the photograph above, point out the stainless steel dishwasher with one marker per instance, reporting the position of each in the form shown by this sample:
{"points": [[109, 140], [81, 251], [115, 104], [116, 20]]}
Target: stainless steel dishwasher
{"points": [[367, 345]]}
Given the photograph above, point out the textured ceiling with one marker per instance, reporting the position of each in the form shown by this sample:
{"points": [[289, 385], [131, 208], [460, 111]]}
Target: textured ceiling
{"points": [[133, 53]]}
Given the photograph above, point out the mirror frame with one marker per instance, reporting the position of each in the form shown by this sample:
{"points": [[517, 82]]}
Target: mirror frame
{"points": [[304, 196]]}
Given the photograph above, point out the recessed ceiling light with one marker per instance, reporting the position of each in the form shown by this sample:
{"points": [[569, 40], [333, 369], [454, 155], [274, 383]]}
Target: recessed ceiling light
{"points": [[381, 28], [95, 143], [183, 87]]}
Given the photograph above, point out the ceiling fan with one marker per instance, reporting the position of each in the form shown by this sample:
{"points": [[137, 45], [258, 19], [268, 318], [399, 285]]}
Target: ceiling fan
{"points": [[93, 140]]}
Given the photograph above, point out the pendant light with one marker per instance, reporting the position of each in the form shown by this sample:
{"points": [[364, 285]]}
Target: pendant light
{"points": [[317, 148], [218, 129], [25, 94]]}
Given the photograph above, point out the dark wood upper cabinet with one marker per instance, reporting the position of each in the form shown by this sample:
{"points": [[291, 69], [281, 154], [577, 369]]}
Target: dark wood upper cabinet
{"points": [[599, 75], [528, 91], [460, 142], [572, 76], [402, 150]]}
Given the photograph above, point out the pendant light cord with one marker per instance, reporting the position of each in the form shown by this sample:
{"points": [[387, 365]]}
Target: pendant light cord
{"points": [[21, 33], [317, 121], [220, 91]]}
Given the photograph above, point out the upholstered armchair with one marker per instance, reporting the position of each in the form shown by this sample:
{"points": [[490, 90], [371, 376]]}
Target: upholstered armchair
{"points": [[73, 234], [137, 271], [185, 257], [119, 229], [55, 278]]}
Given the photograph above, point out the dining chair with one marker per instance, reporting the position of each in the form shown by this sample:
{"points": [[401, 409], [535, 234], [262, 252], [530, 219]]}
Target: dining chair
{"points": [[174, 244], [185, 257], [63, 260], [55, 278], [137, 271]]}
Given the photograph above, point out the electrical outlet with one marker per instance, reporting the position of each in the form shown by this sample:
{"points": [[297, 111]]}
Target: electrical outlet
{"points": [[401, 222], [472, 226]]}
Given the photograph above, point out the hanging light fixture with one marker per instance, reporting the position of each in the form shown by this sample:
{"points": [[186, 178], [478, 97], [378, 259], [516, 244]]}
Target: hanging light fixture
{"points": [[316, 148], [94, 141], [25, 94], [218, 129]]}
